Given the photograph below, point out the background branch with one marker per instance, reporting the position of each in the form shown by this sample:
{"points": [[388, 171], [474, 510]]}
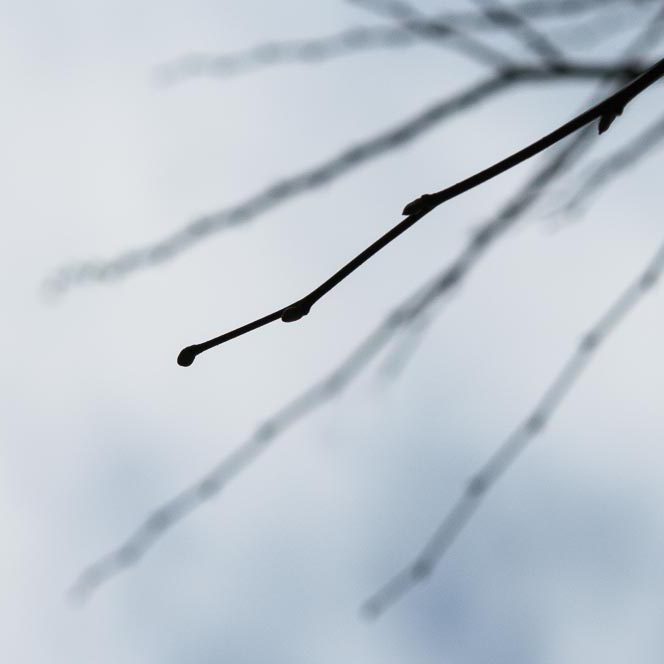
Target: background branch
{"points": [[514, 445]]}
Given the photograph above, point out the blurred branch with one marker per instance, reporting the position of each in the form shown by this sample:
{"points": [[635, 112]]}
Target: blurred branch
{"points": [[438, 32], [512, 447], [521, 28], [311, 179], [615, 165], [358, 39], [401, 317], [305, 51]]}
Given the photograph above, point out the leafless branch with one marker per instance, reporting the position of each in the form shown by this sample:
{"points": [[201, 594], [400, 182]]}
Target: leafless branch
{"points": [[606, 112], [615, 165], [533, 38], [304, 51], [403, 318], [438, 32]]}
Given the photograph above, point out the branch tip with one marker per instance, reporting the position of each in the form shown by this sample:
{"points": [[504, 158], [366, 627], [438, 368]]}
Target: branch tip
{"points": [[187, 356]]}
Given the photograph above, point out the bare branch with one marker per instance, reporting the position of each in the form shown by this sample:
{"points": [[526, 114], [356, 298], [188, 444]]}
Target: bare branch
{"points": [[510, 19], [606, 112], [512, 447]]}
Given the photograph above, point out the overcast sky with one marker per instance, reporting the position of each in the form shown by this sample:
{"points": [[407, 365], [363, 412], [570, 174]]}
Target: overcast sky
{"points": [[98, 425]]}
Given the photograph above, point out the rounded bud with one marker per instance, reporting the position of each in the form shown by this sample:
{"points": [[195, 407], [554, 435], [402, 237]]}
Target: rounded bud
{"points": [[187, 356]]}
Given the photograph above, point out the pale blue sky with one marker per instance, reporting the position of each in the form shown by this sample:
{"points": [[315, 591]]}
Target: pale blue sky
{"points": [[98, 425]]}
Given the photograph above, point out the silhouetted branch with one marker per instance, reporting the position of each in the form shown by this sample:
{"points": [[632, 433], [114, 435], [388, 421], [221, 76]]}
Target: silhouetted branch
{"points": [[606, 112], [494, 468]]}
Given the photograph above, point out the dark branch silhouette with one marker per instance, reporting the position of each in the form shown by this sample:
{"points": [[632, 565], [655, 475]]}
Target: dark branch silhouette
{"points": [[606, 112], [513, 446]]}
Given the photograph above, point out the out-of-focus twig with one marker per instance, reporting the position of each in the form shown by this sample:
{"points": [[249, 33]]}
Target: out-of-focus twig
{"points": [[616, 164], [512, 447], [280, 191], [519, 26], [92, 271]]}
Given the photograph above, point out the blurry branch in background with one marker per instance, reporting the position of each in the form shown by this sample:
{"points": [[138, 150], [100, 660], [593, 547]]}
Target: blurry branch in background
{"points": [[365, 38], [512, 447], [611, 167], [519, 26], [162, 250], [605, 112], [283, 190], [541, 184]]}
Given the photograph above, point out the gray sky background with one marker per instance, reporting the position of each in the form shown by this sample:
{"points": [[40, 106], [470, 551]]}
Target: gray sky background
{"points": [[98, 425]]}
